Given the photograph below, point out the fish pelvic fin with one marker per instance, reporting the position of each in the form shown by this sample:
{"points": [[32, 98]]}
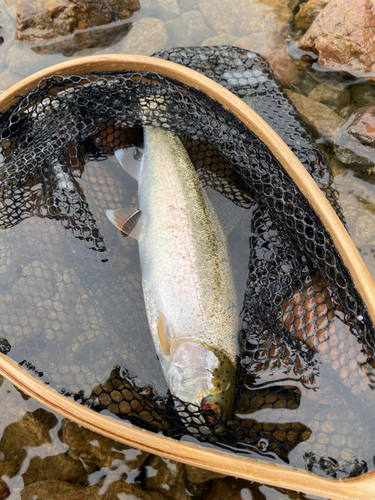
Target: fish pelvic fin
{"points": [[163, 334], [131, 160], [126, 220]]}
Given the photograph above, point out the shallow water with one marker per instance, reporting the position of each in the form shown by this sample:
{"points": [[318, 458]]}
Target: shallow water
{"points": [[357, 198]]}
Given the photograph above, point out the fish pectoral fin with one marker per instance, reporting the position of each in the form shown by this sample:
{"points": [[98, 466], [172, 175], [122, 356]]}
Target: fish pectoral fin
{"points": [[126, 220], [131, 160], [163, 334]]}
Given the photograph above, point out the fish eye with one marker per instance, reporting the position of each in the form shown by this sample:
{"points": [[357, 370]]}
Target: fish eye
{"points": [[214, 410]]}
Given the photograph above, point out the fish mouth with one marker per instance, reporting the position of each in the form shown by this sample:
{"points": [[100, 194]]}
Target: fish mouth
{"points": [[213, 409]]}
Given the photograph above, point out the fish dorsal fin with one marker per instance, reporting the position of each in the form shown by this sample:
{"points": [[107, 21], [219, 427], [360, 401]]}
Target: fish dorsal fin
{"points": [[126, 219], [131, 160], [163, 334], [228, 213]]}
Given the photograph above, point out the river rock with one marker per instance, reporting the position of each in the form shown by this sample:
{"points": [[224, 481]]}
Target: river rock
{"points": [[61, 467], [38, 20], [363, 94], [363, 126], [343, 36], [98, 451], [31, 431], [330, 96], [147, 36], [196, 475], [347, 112], [348, 146], [168, 9], [167, 477], [308, 12], [121, 490], [22, 60], [239, 18], [317, 116], [186, 5], [273, 48], [188, 29]]}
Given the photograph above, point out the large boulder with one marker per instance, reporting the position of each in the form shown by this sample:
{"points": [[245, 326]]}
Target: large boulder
{"points": [[343, 36]]}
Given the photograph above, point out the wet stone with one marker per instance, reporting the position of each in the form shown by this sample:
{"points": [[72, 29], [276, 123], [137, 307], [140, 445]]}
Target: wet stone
{"points": [[167, 477], [98, 451], [61, 467], [188, 29], [147, 36], [196, 475], [168, 9], [330, 96], [317, 116], [363, 93], [39, 20], [239, 18], [224, 39], [308, 12], [343, 36], [4, 490], [363, 126]]}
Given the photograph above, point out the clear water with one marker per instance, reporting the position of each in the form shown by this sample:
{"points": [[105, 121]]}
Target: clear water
{"points": [[357, 195]]}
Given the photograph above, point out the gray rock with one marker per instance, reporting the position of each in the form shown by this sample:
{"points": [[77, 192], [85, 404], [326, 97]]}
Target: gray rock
{"points": [[188, 29], [330, 96], [146, 37], [168, 9], [317, 116], [349, 149]]}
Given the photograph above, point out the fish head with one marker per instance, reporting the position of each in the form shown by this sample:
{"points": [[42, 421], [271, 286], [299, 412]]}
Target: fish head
{"points": [[204, 376]]}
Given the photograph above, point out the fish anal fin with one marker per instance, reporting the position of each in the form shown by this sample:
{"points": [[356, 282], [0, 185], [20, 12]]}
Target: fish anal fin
{"points": [[163, 334], [126, 220]]}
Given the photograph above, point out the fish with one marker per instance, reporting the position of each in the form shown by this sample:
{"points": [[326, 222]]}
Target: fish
{"points": [[187, 280]]}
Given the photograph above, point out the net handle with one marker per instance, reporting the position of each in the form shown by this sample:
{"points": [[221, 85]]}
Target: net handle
{"points": [[359, 488]]}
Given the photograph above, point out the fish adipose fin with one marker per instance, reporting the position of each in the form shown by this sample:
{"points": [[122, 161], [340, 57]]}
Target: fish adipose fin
{"points": [[131, 160], [125, 219], [163, 334]]}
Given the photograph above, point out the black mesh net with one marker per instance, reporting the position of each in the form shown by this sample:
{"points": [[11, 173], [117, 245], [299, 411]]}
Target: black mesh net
{"points": [[71, 302]]}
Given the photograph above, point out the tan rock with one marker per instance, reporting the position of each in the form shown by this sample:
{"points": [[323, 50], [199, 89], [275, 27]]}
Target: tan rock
{"points": [[308, 12], [45, 19], [60, 467], [146, 37], [273, 48], [54, 490], [319, 117], [97, 450], [188, 29], [22, 60], [241, 18], [188, 4], [343, 36], [196, 475], [122, 490], [168, 9], [167, 477]]}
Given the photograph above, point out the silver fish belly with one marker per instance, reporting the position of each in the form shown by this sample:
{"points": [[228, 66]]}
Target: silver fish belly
{"points": [[187, 279]]}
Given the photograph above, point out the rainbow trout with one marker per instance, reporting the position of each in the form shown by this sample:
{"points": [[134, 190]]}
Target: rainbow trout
{"points": [[187, 279]]}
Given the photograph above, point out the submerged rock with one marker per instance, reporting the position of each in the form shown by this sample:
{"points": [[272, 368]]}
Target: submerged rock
{"points": [[4, 490], [146, 37], [319, 117], [167, 477], [343, 36], [363, 126], [223, 39], [308, 12], [168, 9], [196, 475], [330, 96], [98, 451], [39, 20], [238, 17], [188, 29], [273, 48], [61, 467]]}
